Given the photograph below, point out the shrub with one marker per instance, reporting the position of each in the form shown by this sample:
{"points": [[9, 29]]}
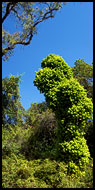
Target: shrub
{"points": [[40, 143], [12, 138], [20, 173]]}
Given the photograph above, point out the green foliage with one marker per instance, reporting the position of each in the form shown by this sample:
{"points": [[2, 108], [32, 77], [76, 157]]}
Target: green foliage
{"points": [[69, 101], [87, 179], [41, 140], [11, 107], [89, 136], [50, 76], [26, 16], [84, 73], [17, 172], [34, 113], [20, 173], [77, 151], [12, 138], [54, 153]]}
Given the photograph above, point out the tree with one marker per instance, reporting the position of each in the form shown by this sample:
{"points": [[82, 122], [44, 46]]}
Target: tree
{"points": [[43, 125], [11, 106], [68, 100], [32, 115], [27, 16], [84, 73]]}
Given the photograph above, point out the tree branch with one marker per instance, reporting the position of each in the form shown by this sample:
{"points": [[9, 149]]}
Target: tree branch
{"points": [[8, 9], [18, 42]]}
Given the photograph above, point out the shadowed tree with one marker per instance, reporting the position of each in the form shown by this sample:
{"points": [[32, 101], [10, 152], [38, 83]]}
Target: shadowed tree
{"points": [[84, 73]]}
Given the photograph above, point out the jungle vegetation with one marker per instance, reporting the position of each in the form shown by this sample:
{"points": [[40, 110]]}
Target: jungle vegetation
{"points": [[50, 145]]}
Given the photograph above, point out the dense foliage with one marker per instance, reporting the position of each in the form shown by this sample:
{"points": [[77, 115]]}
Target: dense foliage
{"points": [[50, 145], [11, 106], [32, 156], [84, 73], [41, 141], [20, 173], [68, 100]]}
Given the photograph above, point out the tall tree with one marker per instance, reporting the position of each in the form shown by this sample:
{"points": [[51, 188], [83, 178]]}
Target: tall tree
{"points": [[27, 16], [11, 106], [68, 99], [84, 73]]}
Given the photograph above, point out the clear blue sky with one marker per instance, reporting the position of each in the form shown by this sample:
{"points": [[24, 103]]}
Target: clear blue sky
{"points": [[69, 34]]}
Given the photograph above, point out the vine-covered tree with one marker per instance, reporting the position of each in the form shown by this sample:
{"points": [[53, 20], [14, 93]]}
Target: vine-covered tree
{"points": [[27, 16], [68, 99]]}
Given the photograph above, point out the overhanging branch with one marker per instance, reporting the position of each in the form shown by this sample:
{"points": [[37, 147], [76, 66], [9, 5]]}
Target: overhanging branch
{"points": [[9, 7]]}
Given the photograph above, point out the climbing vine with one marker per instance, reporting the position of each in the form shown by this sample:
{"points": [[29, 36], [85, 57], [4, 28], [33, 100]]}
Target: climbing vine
{"points": [[68, 100]]}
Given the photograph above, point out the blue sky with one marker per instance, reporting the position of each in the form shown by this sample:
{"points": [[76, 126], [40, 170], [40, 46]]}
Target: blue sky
{"points": [[69, 34]]}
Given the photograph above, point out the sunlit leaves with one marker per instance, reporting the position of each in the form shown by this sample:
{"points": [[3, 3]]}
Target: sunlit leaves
{"points": [[76, 150], [68, 99]]}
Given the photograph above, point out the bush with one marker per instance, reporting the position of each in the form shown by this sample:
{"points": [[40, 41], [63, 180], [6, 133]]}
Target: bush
{"points": [[12, 138], [20, 173], [41, 141]]}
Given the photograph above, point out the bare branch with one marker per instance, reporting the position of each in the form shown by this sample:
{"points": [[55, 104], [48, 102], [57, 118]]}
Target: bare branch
{"points": [[9, 7], [47, 15]]}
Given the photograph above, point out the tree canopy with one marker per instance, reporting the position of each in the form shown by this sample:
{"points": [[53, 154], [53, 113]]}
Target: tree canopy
{"points": [[48, 145], [11, 106], [27, 16], [53, 152], [84, 73]]}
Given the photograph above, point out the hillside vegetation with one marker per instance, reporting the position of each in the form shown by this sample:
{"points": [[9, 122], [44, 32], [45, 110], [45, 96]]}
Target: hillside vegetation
{"points": [[50, 145]]}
